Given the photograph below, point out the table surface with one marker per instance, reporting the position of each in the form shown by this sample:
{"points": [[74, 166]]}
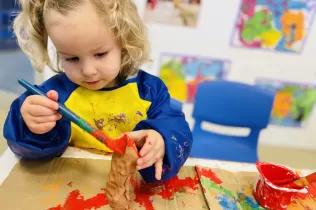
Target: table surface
{"points": [[8, 161]]}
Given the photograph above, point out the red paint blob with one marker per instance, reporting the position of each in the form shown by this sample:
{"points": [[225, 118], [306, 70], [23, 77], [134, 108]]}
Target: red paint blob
{"points": [[208, 173], [131, 143], [166, 190], [118, 145], [143, 193], [267, 193], [75, 201], [70, 184], [311, 192]]}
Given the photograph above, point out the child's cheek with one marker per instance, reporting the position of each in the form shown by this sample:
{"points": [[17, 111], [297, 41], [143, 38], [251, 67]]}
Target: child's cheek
{"points": [[72, 73]]}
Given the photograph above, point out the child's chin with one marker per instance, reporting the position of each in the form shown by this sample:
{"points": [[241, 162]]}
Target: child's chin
{"points": [[94, 87]]}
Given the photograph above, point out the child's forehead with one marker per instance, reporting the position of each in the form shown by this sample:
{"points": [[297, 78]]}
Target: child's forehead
{"points": [[81, 42], [82, 14], [79, 30], [81, 39]]}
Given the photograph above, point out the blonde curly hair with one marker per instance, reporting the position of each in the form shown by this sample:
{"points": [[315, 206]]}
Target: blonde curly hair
{"points": [[121, 15]]}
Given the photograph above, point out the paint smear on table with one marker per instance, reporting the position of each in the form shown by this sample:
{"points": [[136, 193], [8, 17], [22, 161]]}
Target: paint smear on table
{"points": [[225, 192], [143, 194], [75, 201], [145, 191]]}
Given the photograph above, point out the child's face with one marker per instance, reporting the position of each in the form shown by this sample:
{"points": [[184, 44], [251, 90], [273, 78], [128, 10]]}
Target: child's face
{"points": [[88, 51]]}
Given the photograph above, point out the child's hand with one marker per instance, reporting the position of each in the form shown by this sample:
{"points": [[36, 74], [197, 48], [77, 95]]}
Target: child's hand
{"points": [[39, 113], [152, 152]]}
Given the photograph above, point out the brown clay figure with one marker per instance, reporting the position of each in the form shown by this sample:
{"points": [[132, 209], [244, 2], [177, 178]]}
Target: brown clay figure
{"points": [[122, 168]]}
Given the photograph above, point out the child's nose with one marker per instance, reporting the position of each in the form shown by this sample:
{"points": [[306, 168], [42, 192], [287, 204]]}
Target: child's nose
{"points": [[88, 69]]}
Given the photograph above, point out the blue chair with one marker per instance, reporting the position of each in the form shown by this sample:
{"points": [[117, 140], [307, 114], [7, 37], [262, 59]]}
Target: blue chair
{"points": [[176, 104], [7, 16], [232, 104]]}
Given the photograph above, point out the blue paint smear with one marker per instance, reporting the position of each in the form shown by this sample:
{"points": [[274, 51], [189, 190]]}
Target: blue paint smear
{"points": [[251, 202], [227, 203]]}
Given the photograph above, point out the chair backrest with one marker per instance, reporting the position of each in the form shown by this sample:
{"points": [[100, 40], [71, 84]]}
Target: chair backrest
{"points": [[232, 104], [176, 104]]}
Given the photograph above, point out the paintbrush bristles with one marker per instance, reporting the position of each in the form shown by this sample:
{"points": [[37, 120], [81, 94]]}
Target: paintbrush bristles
{"points": [[301, 182], [311, 177]]}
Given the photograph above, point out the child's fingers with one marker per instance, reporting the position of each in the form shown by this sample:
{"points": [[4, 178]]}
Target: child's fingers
{"points": [[158, 169], [148, 146], [42, 128], [40, 111], [42, 101], [152, 157], [138, 136], [144, 161], [53, 95], [50, 118], [146, 165]]}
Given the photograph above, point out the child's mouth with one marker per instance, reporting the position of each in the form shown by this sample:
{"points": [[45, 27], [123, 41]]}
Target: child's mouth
{"points": [[92, 83]]}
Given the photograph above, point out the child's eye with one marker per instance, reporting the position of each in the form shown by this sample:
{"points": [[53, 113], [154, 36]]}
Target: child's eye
{"points": [[73, 59], [101, 54]]}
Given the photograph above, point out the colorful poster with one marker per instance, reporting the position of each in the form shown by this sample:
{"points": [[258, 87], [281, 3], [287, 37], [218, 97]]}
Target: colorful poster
{"points": [[293, 103], [277, 25], [173, 12], [182, 73]]}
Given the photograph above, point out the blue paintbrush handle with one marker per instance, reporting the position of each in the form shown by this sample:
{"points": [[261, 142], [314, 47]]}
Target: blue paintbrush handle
{"points": [[63, 110]]}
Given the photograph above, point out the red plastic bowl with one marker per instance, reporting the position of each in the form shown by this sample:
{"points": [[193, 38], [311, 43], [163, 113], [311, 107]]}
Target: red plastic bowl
{"points": [[267, 193]]}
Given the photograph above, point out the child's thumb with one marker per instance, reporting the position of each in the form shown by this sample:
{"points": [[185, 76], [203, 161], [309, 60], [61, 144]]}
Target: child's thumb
{"points": [[53, 95]]}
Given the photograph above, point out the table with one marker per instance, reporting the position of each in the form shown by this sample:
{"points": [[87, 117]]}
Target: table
{"points": [[8, 161]]}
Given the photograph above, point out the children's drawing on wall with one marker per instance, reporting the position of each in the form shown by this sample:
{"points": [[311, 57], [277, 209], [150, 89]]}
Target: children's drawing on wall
{"points": [[182, 73], [293, 103], [277, 25], [173, 12]]}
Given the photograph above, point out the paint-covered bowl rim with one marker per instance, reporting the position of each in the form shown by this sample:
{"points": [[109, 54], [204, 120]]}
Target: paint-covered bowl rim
{"points": [[259, 164]]}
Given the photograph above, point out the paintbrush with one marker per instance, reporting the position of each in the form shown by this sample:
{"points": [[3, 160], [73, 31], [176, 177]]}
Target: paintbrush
{"points": [[118, 145], [301, 182]]}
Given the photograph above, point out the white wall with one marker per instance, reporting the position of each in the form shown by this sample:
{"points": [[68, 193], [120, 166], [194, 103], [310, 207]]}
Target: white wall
{"points": [[211, 38]]}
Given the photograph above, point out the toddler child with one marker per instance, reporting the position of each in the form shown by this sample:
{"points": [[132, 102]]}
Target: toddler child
{"points": [[100, 46]]}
